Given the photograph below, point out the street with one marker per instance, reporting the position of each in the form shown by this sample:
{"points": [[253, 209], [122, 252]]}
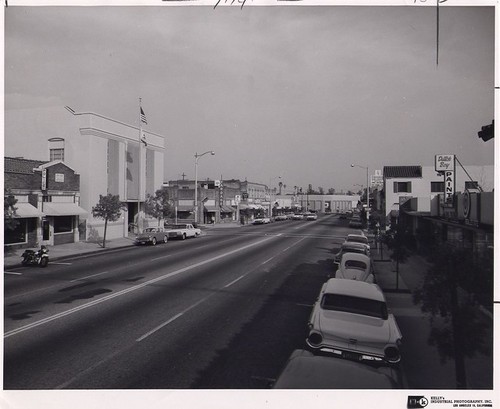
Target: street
{"points": [[224, 310]]}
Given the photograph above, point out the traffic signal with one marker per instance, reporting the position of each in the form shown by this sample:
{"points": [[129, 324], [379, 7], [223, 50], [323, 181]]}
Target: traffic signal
{"points": [[487, 131]]}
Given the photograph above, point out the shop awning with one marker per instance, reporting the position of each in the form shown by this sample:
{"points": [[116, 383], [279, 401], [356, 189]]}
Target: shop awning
{"points": [[209, 208], [63, 209], [185, 208], [227, 209], [26, 210]]}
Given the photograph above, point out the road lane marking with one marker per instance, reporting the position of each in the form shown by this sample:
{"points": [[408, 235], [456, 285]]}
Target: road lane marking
{"points": [[268, 260], [172, 319], [12, 272], [159, 258], [128, 290], [297, 242], [93, 275], [61, 263], [235, 281]]}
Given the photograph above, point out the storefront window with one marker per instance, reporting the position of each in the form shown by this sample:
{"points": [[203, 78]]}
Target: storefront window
{"points": [[63, 224], [18, 235]]}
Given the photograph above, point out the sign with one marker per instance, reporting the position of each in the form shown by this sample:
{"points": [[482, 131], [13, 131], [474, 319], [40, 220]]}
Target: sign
{"points": [[444, 163], [449, 186], [44, 179], [59, 177]]}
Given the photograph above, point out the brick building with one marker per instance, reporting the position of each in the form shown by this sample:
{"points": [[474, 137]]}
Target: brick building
{"points": [[48, 202]]}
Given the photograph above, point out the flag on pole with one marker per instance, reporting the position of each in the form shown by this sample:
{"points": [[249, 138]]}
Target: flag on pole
{"points": [[143, 117]]}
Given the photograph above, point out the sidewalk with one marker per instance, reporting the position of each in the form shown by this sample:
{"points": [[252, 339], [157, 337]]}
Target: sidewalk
{"points": [[12, 258]]}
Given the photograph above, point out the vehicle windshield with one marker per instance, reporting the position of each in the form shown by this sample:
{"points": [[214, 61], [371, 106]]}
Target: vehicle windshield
{"points": [[354, 305], [353, 250], [179, 226], [150, 230], [356, 264]]}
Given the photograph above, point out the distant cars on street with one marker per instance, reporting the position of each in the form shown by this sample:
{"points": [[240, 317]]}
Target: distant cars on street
{"points": [[311, 216], [298, 216], [350, 319], [358, 238], [152, 235], [356, 222], [261, 220]]}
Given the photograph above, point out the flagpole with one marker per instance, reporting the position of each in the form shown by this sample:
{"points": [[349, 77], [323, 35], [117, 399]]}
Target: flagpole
{"points": [[139, 171]]}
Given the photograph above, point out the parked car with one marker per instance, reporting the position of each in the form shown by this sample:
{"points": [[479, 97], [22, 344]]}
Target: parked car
{"points": [[350, 247], [356, 222], [261, 220], [280, 218], [152, 235], [350, 319], [358, 238], [304, 370], [311, 216], [182, 231], [298, 216], [354, 266]]}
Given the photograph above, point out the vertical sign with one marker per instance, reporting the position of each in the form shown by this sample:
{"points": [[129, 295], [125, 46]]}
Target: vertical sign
{"points": [[44, 179], [446, 165]]}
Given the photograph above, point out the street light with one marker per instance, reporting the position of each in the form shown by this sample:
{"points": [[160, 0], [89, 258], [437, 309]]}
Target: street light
{"points": [[367, 189], [196, 156]]}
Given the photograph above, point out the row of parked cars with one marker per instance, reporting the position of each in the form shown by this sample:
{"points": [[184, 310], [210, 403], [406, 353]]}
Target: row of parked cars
{"points": [[353, 338], [288, 216], [155, 235]]}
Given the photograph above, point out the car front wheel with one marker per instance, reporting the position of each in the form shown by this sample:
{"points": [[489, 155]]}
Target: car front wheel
{"points": [[153, 242], [165, 239]]}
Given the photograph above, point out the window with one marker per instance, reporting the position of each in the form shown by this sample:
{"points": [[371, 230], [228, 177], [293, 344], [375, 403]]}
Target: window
{"points": [[404, 187], [57, 154], [437, 187], [63, 224], [471, 185], [18, 235], [354, 305]]}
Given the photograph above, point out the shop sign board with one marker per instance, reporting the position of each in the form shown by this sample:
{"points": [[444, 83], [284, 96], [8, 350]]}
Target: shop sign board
{"points": [[445, 163]]}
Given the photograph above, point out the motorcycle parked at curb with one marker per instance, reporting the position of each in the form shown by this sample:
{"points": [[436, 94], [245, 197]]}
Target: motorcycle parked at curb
{"points": [[39, 257]]}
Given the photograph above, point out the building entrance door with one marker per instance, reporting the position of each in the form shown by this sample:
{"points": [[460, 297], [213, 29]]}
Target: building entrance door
{"points": [[45, 230]]}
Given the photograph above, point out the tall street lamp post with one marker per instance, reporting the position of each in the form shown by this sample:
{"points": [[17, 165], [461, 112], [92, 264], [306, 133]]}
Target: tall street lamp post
{"points": [[367, 190], [196, 156]]}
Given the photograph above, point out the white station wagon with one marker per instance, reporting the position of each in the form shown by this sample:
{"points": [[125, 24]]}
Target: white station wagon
{"points": [[350, 319]]}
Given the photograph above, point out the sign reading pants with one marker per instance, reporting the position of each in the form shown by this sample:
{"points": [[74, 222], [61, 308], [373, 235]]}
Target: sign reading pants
{"points": [[61, 222]]}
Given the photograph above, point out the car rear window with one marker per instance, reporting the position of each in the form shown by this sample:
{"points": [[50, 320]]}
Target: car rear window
{"points": [[355, 264], [358, 240], [354, 305]]}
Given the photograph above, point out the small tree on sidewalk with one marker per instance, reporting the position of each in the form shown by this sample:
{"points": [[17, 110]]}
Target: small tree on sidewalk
{"points": [[9, 211], [108, 208], [158, 206], [398, 242], [456, 328]]}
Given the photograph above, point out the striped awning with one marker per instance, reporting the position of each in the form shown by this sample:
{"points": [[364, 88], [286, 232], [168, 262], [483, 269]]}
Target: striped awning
{"points": [[209, 208], [227, 209]]}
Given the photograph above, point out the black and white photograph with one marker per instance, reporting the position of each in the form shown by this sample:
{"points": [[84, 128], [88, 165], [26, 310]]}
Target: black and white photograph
{"points": [[249, 203]]}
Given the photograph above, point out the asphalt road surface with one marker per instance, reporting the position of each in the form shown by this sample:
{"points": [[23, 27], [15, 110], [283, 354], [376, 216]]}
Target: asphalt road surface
{"points": [[221, 311]]}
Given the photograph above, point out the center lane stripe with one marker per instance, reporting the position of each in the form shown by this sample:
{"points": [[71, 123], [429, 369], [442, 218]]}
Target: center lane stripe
{"points": [[128, 290]]}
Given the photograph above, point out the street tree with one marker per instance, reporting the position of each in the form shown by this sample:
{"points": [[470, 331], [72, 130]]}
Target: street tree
{"points": [[108, 208], [398, 241], [457, 328], [9, 210], [158, 205]]}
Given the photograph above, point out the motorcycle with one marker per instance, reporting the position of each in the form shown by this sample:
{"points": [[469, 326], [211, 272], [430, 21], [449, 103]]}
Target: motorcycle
{"points": [[39, 257]]}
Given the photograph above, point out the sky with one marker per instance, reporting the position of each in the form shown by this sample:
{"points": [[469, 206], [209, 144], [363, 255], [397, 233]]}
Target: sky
{"points": [[290, 94]]}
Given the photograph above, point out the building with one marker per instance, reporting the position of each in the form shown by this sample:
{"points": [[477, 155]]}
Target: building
{"points": [[107, 155], [48, 203], [402, 183]]}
